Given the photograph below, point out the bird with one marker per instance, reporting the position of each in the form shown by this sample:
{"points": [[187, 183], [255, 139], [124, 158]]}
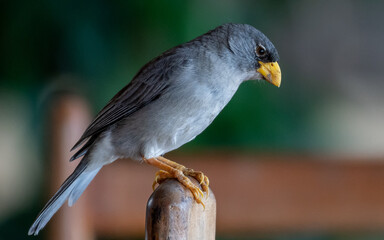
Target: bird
{"points": [[170, 101]]}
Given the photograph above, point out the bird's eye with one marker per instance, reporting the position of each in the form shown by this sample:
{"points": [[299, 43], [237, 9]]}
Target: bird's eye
{"points": [[260, 51]]}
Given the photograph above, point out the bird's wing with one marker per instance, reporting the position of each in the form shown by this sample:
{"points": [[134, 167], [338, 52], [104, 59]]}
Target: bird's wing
{"points": [[147, 86]]}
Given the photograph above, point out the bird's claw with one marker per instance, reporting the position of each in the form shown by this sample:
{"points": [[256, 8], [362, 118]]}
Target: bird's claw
{"points": [[200, 177], [160, 176], [181, 176], [197, 194]]}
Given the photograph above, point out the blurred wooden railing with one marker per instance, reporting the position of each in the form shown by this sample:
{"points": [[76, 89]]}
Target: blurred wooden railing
{"points": [[255, 193]]}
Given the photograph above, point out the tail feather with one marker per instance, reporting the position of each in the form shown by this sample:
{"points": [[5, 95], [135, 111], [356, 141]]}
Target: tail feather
{"points": [[72, 188], [82, 184]]}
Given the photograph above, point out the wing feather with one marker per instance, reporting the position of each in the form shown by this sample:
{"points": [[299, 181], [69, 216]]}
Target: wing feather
{"points": [[147, 86]]}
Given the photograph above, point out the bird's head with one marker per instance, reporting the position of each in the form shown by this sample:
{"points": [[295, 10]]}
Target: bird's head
{"points": [[254, 52]]}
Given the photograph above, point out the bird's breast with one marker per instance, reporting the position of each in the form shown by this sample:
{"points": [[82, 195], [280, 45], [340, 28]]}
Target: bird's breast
{"points": [[178, 116]]}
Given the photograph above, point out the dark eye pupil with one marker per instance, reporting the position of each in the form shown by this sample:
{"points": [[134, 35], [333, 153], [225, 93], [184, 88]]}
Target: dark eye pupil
{"points": [[260, 51]]}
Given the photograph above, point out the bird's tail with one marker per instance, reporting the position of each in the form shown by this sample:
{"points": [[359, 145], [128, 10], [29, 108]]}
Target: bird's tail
{"points": [[71, 189]]}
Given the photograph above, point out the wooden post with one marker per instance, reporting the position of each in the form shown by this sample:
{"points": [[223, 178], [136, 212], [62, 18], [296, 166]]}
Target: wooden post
{"points": [[172, 213]]}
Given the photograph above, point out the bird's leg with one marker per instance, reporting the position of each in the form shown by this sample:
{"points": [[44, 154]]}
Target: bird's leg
{"points": [[171, 169], [199, 176]]}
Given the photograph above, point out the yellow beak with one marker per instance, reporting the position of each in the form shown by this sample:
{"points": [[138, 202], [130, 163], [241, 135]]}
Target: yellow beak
{"points": [[271, 72]]}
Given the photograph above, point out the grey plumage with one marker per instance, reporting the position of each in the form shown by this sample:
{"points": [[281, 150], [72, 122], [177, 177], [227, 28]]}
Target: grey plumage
{"points": [[169, 102]]}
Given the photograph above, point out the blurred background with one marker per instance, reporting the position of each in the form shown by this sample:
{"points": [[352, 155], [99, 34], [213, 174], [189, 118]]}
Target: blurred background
{"points": [[330, 102]]}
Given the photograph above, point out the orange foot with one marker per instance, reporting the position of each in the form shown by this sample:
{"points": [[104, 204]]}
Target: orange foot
{"points": [[170, 169]]}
